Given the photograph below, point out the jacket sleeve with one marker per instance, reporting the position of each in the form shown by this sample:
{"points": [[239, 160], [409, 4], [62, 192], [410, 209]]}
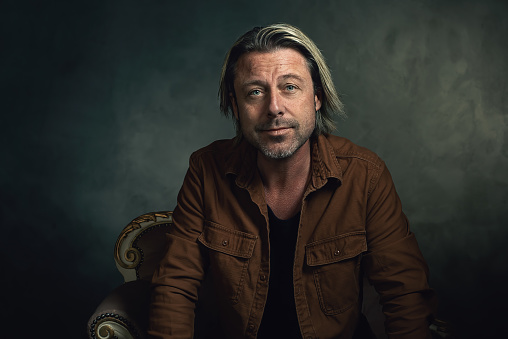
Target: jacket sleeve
{"points": [[395, 265], [176, 283]]}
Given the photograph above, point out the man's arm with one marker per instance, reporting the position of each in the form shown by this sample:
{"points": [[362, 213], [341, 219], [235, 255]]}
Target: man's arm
{"points": [[395, 265], [176, 283]]}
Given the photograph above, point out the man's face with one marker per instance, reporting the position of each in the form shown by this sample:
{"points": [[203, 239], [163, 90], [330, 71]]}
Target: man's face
{"points": [[275, 102]]}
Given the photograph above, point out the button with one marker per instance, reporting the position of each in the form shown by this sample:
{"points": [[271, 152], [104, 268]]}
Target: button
{"points": [[262, 277], [337, 252], [224, 242], [251, 327]]}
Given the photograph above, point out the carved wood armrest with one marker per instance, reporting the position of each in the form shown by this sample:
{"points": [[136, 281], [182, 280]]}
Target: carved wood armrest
{"points": [[123, 314]]}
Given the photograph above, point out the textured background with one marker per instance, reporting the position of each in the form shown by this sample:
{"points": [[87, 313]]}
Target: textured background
{"points": [[102, 103]]}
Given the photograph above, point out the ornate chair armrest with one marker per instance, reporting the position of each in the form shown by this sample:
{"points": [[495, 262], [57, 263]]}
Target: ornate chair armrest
{"points": [[123, 314]]}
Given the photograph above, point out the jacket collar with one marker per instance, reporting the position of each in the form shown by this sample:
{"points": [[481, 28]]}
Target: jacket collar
{"points": [[242, 163], [325, 166]]}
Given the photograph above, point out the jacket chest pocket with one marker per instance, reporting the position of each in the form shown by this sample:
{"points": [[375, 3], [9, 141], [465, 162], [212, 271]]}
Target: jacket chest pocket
{"points": [[335, 263], [229, 253]]}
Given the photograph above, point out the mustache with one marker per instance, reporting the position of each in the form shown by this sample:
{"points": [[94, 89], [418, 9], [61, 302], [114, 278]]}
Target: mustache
{"points": [[277, 123]]}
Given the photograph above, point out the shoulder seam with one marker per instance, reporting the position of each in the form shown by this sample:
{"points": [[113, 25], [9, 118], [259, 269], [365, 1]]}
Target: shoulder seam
{"points": [[376, 160]]}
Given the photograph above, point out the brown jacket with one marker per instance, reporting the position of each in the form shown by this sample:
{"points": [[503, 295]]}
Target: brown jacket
{"points": [[351, 224]]}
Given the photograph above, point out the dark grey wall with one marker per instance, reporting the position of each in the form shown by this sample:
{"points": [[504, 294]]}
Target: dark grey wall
{"points": [[102, 102]]}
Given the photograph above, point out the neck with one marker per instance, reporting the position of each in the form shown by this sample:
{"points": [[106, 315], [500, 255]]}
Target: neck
{"points": [[285, 174], [285, 181]]}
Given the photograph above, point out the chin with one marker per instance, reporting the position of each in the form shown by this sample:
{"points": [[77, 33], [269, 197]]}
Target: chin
{"points": [[277, 155], [279, 152]]}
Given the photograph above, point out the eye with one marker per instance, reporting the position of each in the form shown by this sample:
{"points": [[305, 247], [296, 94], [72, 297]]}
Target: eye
{"points": [[255, 92], [290, 88]]}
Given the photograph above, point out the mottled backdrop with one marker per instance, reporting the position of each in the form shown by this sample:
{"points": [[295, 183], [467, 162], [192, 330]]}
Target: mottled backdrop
{"points": [[102, 102]]}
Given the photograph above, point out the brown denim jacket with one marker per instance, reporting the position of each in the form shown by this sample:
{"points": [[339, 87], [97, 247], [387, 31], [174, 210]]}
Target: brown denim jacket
{"points": [[351, 224]]}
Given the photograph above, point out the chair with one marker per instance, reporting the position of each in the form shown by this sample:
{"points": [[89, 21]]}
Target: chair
{"points": [[123, 314]]}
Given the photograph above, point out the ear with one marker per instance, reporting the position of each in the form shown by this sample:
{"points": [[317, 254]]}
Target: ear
{"points": [[317, 100], [234, 105]]}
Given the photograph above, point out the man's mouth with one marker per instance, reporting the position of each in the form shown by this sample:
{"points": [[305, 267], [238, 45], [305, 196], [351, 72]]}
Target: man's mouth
{"points": [[277, 130]]}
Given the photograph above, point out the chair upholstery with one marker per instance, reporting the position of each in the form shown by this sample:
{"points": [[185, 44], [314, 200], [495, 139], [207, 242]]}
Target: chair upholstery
{"points": [[123, 314]]}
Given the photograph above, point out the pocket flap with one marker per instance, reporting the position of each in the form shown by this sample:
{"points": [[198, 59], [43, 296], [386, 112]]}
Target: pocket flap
{"points": [[228, 241], [330, 250]]}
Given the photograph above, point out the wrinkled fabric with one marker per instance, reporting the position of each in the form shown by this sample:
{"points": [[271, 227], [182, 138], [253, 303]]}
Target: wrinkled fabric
{"points": [[351, 224]]}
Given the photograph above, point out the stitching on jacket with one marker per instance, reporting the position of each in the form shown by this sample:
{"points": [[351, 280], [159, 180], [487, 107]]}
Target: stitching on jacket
{"points": [[327, 309], [375, 160], [360, 242], [374, 180]]}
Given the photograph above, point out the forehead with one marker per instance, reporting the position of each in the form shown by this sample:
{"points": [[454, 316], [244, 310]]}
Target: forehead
{"points": [[281, 60]]}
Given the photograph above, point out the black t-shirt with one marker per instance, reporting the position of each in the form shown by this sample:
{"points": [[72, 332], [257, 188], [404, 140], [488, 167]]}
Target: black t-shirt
{"points": [[279, 317]]}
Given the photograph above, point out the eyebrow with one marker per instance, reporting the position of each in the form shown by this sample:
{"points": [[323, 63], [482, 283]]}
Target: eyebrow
{"points": [[263, 83], [291, 76], [253, 82]]}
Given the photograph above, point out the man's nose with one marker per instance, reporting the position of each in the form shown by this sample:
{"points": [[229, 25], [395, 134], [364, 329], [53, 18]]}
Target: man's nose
{"points": [[275, 105]]}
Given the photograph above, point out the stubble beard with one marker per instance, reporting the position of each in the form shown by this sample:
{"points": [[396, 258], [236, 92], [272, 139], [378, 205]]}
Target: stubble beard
{"points": [[279, 147], [279, 151]]}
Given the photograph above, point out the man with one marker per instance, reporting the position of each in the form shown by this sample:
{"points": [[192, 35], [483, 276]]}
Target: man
{"points": [[285, 219]]}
